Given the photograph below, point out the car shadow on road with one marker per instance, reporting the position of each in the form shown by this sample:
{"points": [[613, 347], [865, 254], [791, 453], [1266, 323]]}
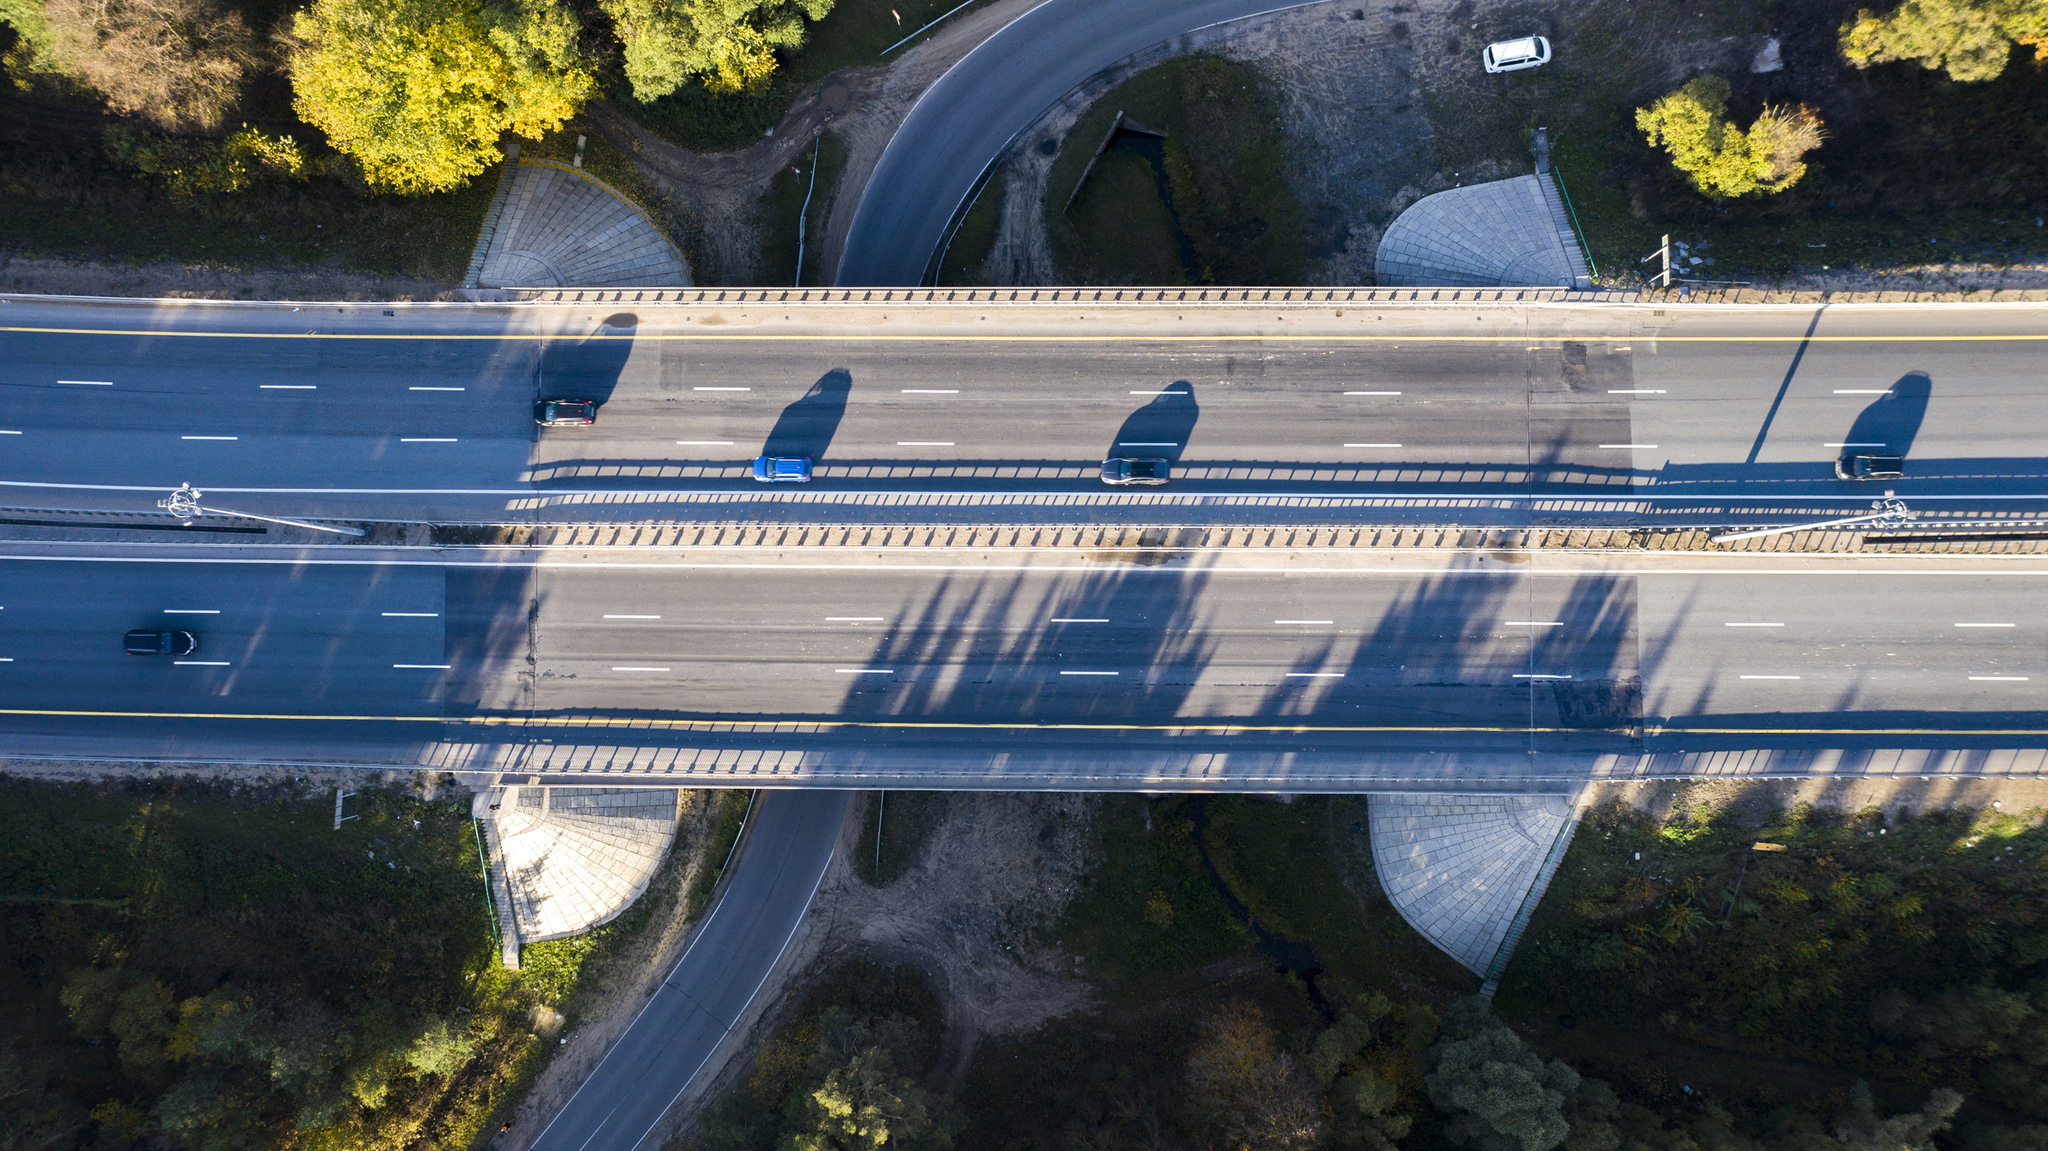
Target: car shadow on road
{"points": [[807, 425], [1892, 421], [589, 368], [1159, 429]]}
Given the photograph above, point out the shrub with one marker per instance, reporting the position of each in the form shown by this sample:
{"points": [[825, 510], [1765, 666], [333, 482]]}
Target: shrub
{"points": [[1721, 160]]}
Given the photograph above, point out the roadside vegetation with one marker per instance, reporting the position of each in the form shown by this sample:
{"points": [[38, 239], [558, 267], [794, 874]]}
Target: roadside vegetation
{"points": [[1208, 204], [808, 189], [1893, 136], [212, 967], [1872, 989]]}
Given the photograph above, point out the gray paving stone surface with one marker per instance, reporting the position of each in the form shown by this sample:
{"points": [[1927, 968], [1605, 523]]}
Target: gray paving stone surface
{"points": [[1505, 233], [1457, 867], [560, 227], [573, 858]]}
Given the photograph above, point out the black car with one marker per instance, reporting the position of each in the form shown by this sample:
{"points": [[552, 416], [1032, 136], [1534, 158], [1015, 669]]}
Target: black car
{"points": [[1870, 467], [565, 413], [146, 641], [1126, 472]]}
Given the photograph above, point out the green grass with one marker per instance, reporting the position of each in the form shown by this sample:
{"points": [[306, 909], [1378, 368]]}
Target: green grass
{"points": [[976, 237], [732, 813], [784, 200], [66, 199], [1225, 160], [852, 35], [907, 818], [1149, 910]]}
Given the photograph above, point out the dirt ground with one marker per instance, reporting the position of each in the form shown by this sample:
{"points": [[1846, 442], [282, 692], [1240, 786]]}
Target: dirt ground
{"points": [[169, 281], [975, 913]]}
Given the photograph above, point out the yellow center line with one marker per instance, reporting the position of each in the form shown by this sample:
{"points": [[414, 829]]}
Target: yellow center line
{"points": [[743, 725], [771, 337]]}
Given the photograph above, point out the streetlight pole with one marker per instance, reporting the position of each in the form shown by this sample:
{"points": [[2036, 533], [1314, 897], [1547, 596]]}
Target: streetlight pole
{"points": [[184, 503], [1663, 278], [1889, 510]]}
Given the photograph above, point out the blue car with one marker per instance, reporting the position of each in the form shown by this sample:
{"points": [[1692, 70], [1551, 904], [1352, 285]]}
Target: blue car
{"points": [[783, 469]]}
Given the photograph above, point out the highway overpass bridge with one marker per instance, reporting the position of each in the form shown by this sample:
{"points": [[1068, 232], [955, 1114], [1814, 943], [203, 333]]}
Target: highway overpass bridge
{"points": [[1224, 667]]}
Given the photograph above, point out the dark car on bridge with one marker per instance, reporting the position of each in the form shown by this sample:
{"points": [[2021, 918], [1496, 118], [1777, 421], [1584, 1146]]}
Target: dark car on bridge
{"points": [[149, 641], [565, 413], [783, 469], [1870, 467], [1128, 472]]}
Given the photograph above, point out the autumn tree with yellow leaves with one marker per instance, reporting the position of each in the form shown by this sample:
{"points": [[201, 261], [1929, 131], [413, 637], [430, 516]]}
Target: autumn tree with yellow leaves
{"points": [[729, 45], [1968, 39], [418, 91]]}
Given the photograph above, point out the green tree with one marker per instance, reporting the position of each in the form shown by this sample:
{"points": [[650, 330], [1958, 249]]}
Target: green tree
{"points": [[30, 55], [1497, 1094], [419, 91], [1969, 39], [1721, 160], [729, 44]]}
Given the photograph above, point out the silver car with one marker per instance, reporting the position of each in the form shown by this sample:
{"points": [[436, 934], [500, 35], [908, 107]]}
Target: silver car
{"points": [[1127, 472]]}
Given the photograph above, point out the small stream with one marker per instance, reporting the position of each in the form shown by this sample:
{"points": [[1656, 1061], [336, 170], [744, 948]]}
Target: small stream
{"points": [[1290, 956]]}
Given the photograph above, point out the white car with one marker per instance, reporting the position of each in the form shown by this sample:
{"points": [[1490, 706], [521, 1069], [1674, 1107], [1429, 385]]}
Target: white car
{"points": [[1515, 55]]}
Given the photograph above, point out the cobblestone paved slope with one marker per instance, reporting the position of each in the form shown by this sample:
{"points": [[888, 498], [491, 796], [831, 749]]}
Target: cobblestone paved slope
{"points": [[562, 227]]}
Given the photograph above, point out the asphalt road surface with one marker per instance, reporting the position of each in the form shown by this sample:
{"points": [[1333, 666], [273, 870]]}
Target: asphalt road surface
{"points": [[427, 413], [938, 154], [1090, 662], [728, 959]]}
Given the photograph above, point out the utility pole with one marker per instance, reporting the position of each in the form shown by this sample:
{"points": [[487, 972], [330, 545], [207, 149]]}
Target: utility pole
{"points": [[1889, 510], [1663, 278], [184, 503]]}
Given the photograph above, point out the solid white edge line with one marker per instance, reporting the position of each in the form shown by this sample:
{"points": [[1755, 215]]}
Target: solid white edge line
{"points": [[931, 391], [632, 617], [1863, 391], [1074, 619], [1147, 443], [1628, 446], [1305, 621], [1167, 392], [209, 437], [924, 443], [427, 666], [1853, 445], [721, 389], [1372, 393], [864, 670], [1638, 391], [191, 611], [1987, 625], [1532, 623], [1770, 677], [855, 618], [2001, 678], [1752, 625], [639, 669], [413, 614], [1372, 445], [1091, 673], [288, 387], [421, 388], [427, 440], [200, 663], [1315, 675], [1533, 675], [89, 383], [704, 443]]}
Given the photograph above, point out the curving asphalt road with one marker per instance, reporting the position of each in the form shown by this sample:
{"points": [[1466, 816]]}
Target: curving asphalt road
{"points": [[724, 967], [964, 119]]}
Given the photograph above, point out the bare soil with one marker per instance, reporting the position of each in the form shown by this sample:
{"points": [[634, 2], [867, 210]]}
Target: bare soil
{"points": [[176, 281], [975, 912]]}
